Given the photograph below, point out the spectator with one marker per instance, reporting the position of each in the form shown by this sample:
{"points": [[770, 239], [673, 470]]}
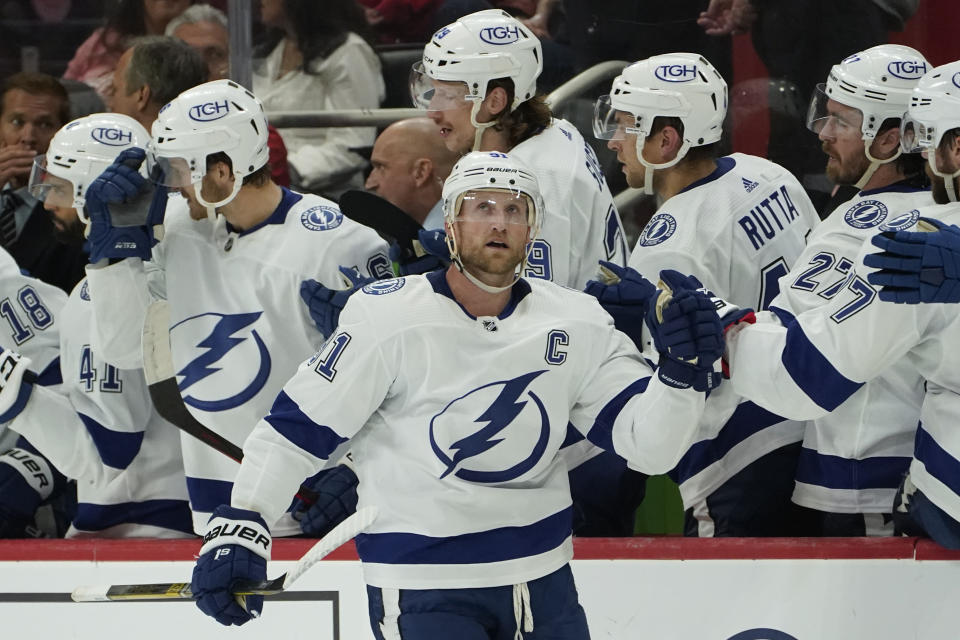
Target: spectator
{"points": [[205, 29], [151, 73], [95, 59], [410, 163], [316, 60], [32, 107]]}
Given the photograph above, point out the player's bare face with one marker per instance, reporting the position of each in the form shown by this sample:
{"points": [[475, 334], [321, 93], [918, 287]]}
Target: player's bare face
{"points": [[492, 234], [842, 140], [625, 145], [58, 201], [450, 110]]}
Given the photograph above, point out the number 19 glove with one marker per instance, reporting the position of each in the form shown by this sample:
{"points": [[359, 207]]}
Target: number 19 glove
{"points": [[236, 546], [626, 296], [917, 266], [336, 491]]}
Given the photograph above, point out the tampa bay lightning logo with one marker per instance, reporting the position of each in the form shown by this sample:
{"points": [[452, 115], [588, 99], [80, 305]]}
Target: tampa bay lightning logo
{"points": [[956, 79], [321, 218], [902, 221], [383, 287], [866, 214], [229, 365], [492, 434], [660, 227]]}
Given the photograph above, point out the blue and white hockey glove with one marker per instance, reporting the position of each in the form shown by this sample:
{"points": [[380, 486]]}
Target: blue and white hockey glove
{"points": [[336, 491], [26, 481], [432, 254], [125, 210], [917, 266], [326, 304], [626, 296], [687, 332], [236, 546], [16, 384]]}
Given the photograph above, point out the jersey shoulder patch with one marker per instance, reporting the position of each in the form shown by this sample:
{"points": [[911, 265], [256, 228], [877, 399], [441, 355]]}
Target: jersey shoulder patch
{"points": [[383, 287], [866, 214], [660, 228], [323, 217], [902, 221]]}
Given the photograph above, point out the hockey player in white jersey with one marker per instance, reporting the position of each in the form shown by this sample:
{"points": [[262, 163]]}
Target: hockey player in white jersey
{"points": [[737, 223], [810, 364], [853, 459], [31, 311], [461, 457], [235, 249], [100, 427]]}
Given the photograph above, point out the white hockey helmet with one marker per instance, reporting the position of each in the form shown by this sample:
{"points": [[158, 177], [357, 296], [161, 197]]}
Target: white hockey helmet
{"points": [[78, 153], [218, 116], [877, 82], [482, 171], [679, 85], [476, 49], [933, 111]]}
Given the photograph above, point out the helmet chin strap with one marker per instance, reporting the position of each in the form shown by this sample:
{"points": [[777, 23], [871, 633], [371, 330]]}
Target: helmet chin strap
{"points": [[479, 127], [948, 178], [212, 206], [874, 164], [650, 167]]}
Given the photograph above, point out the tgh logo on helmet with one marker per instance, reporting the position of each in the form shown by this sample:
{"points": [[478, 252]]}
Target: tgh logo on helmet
{"points": [[676, 72], [500, 35], [209, 111], [907, 69], [113, 136]]}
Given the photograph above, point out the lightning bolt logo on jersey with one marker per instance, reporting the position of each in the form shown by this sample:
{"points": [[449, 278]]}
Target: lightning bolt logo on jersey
{"points": [[513, 434], [222, 341]]}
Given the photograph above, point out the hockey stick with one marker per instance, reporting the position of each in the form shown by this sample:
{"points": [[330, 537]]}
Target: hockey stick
{"points": [[385, 218], [165, 394], [343, 532]]}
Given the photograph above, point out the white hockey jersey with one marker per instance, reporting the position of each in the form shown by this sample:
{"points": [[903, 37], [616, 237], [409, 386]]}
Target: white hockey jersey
{"points": [[455, 423], [581, 225], [238, 326], [738, 231], [101, 429], [854, 457], [810, 364]]}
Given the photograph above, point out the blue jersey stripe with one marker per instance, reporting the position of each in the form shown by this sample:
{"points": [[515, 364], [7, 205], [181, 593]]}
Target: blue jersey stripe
{"points": [[294, 425], [573, 436], [746, 421], [206, 495], [51, 375], [835, 472], [938, 462], [601, 433], [810, 370], [169, 514], [494, 545], [117, 449]]}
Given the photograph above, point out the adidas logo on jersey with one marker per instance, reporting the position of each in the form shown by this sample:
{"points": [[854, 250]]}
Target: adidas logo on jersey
{"points": [[749, 185]]}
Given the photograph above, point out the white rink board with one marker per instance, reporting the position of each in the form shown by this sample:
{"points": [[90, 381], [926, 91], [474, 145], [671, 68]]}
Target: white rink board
{"points": [[625, 600]]}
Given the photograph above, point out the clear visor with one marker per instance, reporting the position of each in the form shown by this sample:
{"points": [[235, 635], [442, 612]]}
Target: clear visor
{"points": [[612, 124], [915, 136], [435, 95], [48, 188], [173, 173], [831, 119], [496, 206]]}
